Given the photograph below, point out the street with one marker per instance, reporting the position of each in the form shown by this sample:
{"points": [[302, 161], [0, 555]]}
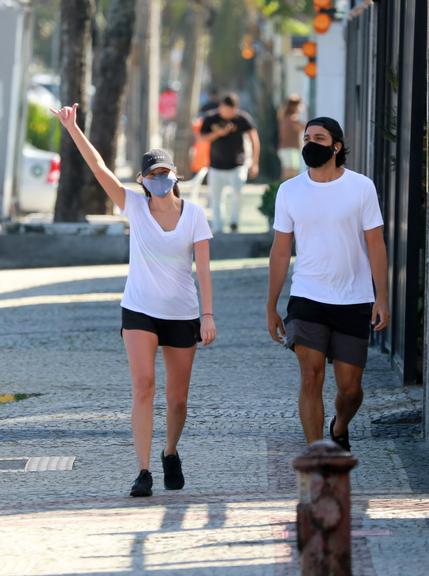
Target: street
{"points": [[59, 338]]}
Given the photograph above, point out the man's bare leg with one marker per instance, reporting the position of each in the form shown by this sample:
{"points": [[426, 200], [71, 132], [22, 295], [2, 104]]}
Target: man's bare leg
{"points": [[312, 365], [349, 394]]}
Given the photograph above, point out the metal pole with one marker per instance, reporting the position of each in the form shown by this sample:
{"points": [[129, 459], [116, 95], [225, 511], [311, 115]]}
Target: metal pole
{"points": [[426, 303], [154, 136]]}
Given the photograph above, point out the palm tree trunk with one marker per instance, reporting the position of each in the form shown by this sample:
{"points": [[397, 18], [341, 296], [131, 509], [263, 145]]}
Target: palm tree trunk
{"points": [[143, 129], [75, 43], [193, 58], [109, 91]]}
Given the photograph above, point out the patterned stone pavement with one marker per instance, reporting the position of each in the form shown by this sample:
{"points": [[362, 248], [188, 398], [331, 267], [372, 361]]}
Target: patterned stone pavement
{"points": [[59, 337]]}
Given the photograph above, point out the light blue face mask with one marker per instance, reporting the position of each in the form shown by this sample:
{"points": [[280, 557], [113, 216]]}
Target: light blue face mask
{"points": [[161, 184]]}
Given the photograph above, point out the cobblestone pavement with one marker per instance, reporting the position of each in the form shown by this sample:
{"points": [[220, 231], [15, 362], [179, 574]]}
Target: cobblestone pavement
{"points": [[59, 337]]}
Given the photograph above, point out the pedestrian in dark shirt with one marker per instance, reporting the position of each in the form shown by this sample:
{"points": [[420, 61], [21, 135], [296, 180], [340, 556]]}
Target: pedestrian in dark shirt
{"points": [[224, 128]]}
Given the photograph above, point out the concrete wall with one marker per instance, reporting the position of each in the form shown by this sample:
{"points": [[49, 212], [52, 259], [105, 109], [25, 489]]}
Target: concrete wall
{"points": [[40, 250]]}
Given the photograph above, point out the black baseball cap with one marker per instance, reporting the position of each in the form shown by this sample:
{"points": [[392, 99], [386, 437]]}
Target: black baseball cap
{"points": [[156, 158], [331, 125]]}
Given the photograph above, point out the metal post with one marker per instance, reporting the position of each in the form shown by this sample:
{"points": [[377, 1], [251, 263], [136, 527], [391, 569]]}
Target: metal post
{"points": [[426, 300], [323, 513], [154, 29]]}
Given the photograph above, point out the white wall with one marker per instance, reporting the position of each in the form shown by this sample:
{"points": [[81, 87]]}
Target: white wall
{"points": [[12, 67], [297, 81], [330, 80]]}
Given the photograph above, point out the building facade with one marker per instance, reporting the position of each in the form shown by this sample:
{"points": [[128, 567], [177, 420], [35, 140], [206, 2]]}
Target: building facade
{"points": [[386, 123]]}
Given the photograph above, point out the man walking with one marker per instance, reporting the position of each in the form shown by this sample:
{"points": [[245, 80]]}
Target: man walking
{"points": [[334, 216], [224, 129]]}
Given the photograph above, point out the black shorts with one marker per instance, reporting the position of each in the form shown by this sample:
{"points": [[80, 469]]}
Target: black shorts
{"points": [[340, 331], [175, 333]]}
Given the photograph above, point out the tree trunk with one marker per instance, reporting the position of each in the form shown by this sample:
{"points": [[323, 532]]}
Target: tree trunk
{"points": [[143, 127], [193, 58], [75, 43], [108, 99]]}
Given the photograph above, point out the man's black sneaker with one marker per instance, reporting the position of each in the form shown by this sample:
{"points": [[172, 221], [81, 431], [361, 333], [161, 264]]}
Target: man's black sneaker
{"points": [[142, 485], [342, 440], [234, 227], [173, 476]]}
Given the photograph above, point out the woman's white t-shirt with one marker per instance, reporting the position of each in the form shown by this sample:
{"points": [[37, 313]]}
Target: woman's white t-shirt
{"points": [[160, 282], [328, 220]]}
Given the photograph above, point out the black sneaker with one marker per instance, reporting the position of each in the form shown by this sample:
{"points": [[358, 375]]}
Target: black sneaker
{"points": [[173, 476], [234, 227], [342, 440], [142, 485]]}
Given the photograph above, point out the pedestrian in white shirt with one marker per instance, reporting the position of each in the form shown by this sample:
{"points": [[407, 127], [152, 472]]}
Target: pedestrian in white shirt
{"points": [[160, 303], [334, 217]]}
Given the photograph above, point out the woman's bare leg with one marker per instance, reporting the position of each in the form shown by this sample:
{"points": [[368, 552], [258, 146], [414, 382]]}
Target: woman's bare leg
{"points": [[141, 348], [178, 364]]}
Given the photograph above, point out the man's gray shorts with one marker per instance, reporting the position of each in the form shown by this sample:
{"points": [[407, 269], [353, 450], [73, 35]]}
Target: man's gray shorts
{"points": [[340, 332]]}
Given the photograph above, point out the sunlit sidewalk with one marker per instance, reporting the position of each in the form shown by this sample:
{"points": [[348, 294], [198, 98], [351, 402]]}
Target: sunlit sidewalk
{"points": [[60, 345]]}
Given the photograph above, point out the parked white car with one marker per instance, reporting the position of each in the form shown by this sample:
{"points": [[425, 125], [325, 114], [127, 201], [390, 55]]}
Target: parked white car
{"points": [[39, 180]]}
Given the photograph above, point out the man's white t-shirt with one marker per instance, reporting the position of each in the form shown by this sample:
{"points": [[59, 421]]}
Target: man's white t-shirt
{"points": [[328, 220], [160, 282]]}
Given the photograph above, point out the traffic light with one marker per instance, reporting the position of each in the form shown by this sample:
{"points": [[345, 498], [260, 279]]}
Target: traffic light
{"points": [[322, 4], [322, 21], [247, 49], [309, 49]]}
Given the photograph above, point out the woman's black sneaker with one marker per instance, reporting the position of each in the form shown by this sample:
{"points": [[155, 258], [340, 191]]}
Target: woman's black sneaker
{"points": [[173, 476], [342, 440], [143, 484]]}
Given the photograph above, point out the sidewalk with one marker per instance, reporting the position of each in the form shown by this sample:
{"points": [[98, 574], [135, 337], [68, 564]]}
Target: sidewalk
{"points": [[59, 337]]}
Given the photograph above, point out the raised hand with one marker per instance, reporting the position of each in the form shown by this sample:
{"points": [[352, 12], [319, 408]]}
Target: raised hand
{"points": [[66, 115]]}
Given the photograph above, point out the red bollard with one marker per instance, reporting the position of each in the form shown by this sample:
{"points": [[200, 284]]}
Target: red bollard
{"points": [[323, 512]]}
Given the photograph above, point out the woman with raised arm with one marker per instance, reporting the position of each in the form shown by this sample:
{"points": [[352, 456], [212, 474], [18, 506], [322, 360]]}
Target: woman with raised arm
{"points": [[160, 303]]}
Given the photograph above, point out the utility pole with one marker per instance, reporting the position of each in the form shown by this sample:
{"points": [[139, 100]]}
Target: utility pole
{"points": [[153, 136]]}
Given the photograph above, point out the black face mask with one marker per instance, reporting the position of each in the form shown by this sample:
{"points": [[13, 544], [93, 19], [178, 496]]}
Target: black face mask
{"points": [[315, 155]]}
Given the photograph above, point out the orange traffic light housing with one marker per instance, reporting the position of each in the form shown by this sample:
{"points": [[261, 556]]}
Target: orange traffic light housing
{"points": [[309, 49], [322, 4], [322, 23], [311, 69]]}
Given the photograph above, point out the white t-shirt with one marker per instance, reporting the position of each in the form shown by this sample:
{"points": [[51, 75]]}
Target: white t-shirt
{"points": [[160, 281], [328, 220]]}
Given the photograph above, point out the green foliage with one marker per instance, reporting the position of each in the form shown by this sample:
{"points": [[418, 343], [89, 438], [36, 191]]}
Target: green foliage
{"points": [[226, 64], [43, 129], [268, 200], [46, 17], [295, 27], [285, 8]]}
